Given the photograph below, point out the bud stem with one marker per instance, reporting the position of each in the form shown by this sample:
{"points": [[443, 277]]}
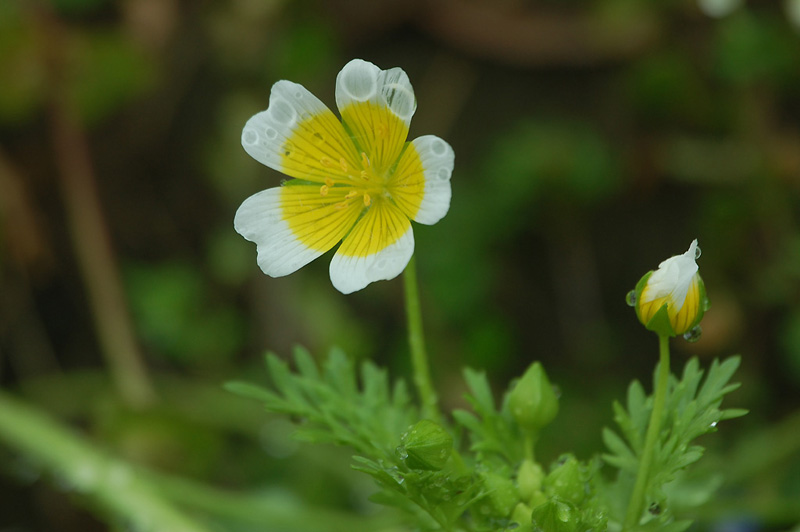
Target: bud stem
{"points": [[416, 341], [636, 503]]}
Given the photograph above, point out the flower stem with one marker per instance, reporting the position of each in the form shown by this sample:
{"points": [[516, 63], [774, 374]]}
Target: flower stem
{"points": [[416, 341], [635, 505], [120, 489]]}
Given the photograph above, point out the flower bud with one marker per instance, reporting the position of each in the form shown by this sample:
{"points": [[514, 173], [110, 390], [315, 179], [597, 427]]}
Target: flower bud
{"points": [[522, 515], [555, 516], [529, 479], [672, 300], [500, 493], [566, 482], [532, 402], [426, 445]]}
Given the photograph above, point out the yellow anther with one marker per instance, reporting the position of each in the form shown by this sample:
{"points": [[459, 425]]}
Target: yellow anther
{"points": [[343, 164], [329, 182], [340, 205], [327, 162], [364, 175], [364, 160], [350, 195], [323, 190], [367, 200]]}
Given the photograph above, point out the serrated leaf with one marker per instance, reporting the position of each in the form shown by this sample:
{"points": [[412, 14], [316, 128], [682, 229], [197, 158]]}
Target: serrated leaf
{"points": [[305, 363], [733, 413], [251, 391], [481, 393]]}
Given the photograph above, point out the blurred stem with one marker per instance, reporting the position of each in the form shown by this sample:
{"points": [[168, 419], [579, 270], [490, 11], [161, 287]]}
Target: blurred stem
{"points": [[90, 237], [113, 484], [416, 340], [635, 505], [265, 511]]}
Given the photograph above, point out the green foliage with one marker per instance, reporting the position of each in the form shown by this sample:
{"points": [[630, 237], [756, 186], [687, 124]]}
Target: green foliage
{"points": [[691, 410], [480, 474]]}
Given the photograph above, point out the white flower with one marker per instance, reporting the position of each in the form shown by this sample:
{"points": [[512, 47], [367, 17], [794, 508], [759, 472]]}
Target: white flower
{"points": [[356, 181]]}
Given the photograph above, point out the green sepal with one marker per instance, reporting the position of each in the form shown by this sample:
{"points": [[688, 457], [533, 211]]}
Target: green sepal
{"points": [[660, 323], [426, 446]]}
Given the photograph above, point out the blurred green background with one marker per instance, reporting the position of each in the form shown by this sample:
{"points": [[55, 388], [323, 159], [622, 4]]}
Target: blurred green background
{"points": [[593, 139]]}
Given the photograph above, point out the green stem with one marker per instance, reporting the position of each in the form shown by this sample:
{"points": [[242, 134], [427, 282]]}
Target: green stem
{"points": [[120, 488], [635, 505], [416, 340]]}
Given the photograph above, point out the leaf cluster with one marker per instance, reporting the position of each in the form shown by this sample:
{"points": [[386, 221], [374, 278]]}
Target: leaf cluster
{"points": [[479, 473], [692, 409]]}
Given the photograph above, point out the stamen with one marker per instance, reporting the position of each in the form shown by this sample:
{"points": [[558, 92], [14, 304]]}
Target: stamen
{"points": [[340, 205], [329, 182], [327, 162], [350, 195], [323, 190], [364, 175], [367, 200], [343, 164], [364, 160]]}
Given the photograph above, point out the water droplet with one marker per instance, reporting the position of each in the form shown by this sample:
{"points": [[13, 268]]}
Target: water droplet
{"points": [[444, 174], [697, 253], [250, 137], [271, 133], [713, 424], [563, 513], [402, 452], [693, 334], [438, 147], [630, 299]]}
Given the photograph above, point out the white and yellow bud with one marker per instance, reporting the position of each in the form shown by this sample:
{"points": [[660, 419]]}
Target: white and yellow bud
{"points": [[672, 300]]}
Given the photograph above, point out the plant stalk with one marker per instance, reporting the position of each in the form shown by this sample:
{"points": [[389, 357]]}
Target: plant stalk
{"points": [[416, 341], [636, 503]]}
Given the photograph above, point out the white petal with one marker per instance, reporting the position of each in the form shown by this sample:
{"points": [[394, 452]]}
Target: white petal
{"points": [[437, 159], [673, 278], [361, 81], [265, 134], [350, 274], [259, 220]]}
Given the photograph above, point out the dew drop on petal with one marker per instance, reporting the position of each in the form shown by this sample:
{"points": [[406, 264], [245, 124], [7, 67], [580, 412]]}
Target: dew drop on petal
{"points": [[271, 133], [693, 334], [630, 298], [444, 174], [438, 147], [282, 112], [250, 137], [697, 252]]}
